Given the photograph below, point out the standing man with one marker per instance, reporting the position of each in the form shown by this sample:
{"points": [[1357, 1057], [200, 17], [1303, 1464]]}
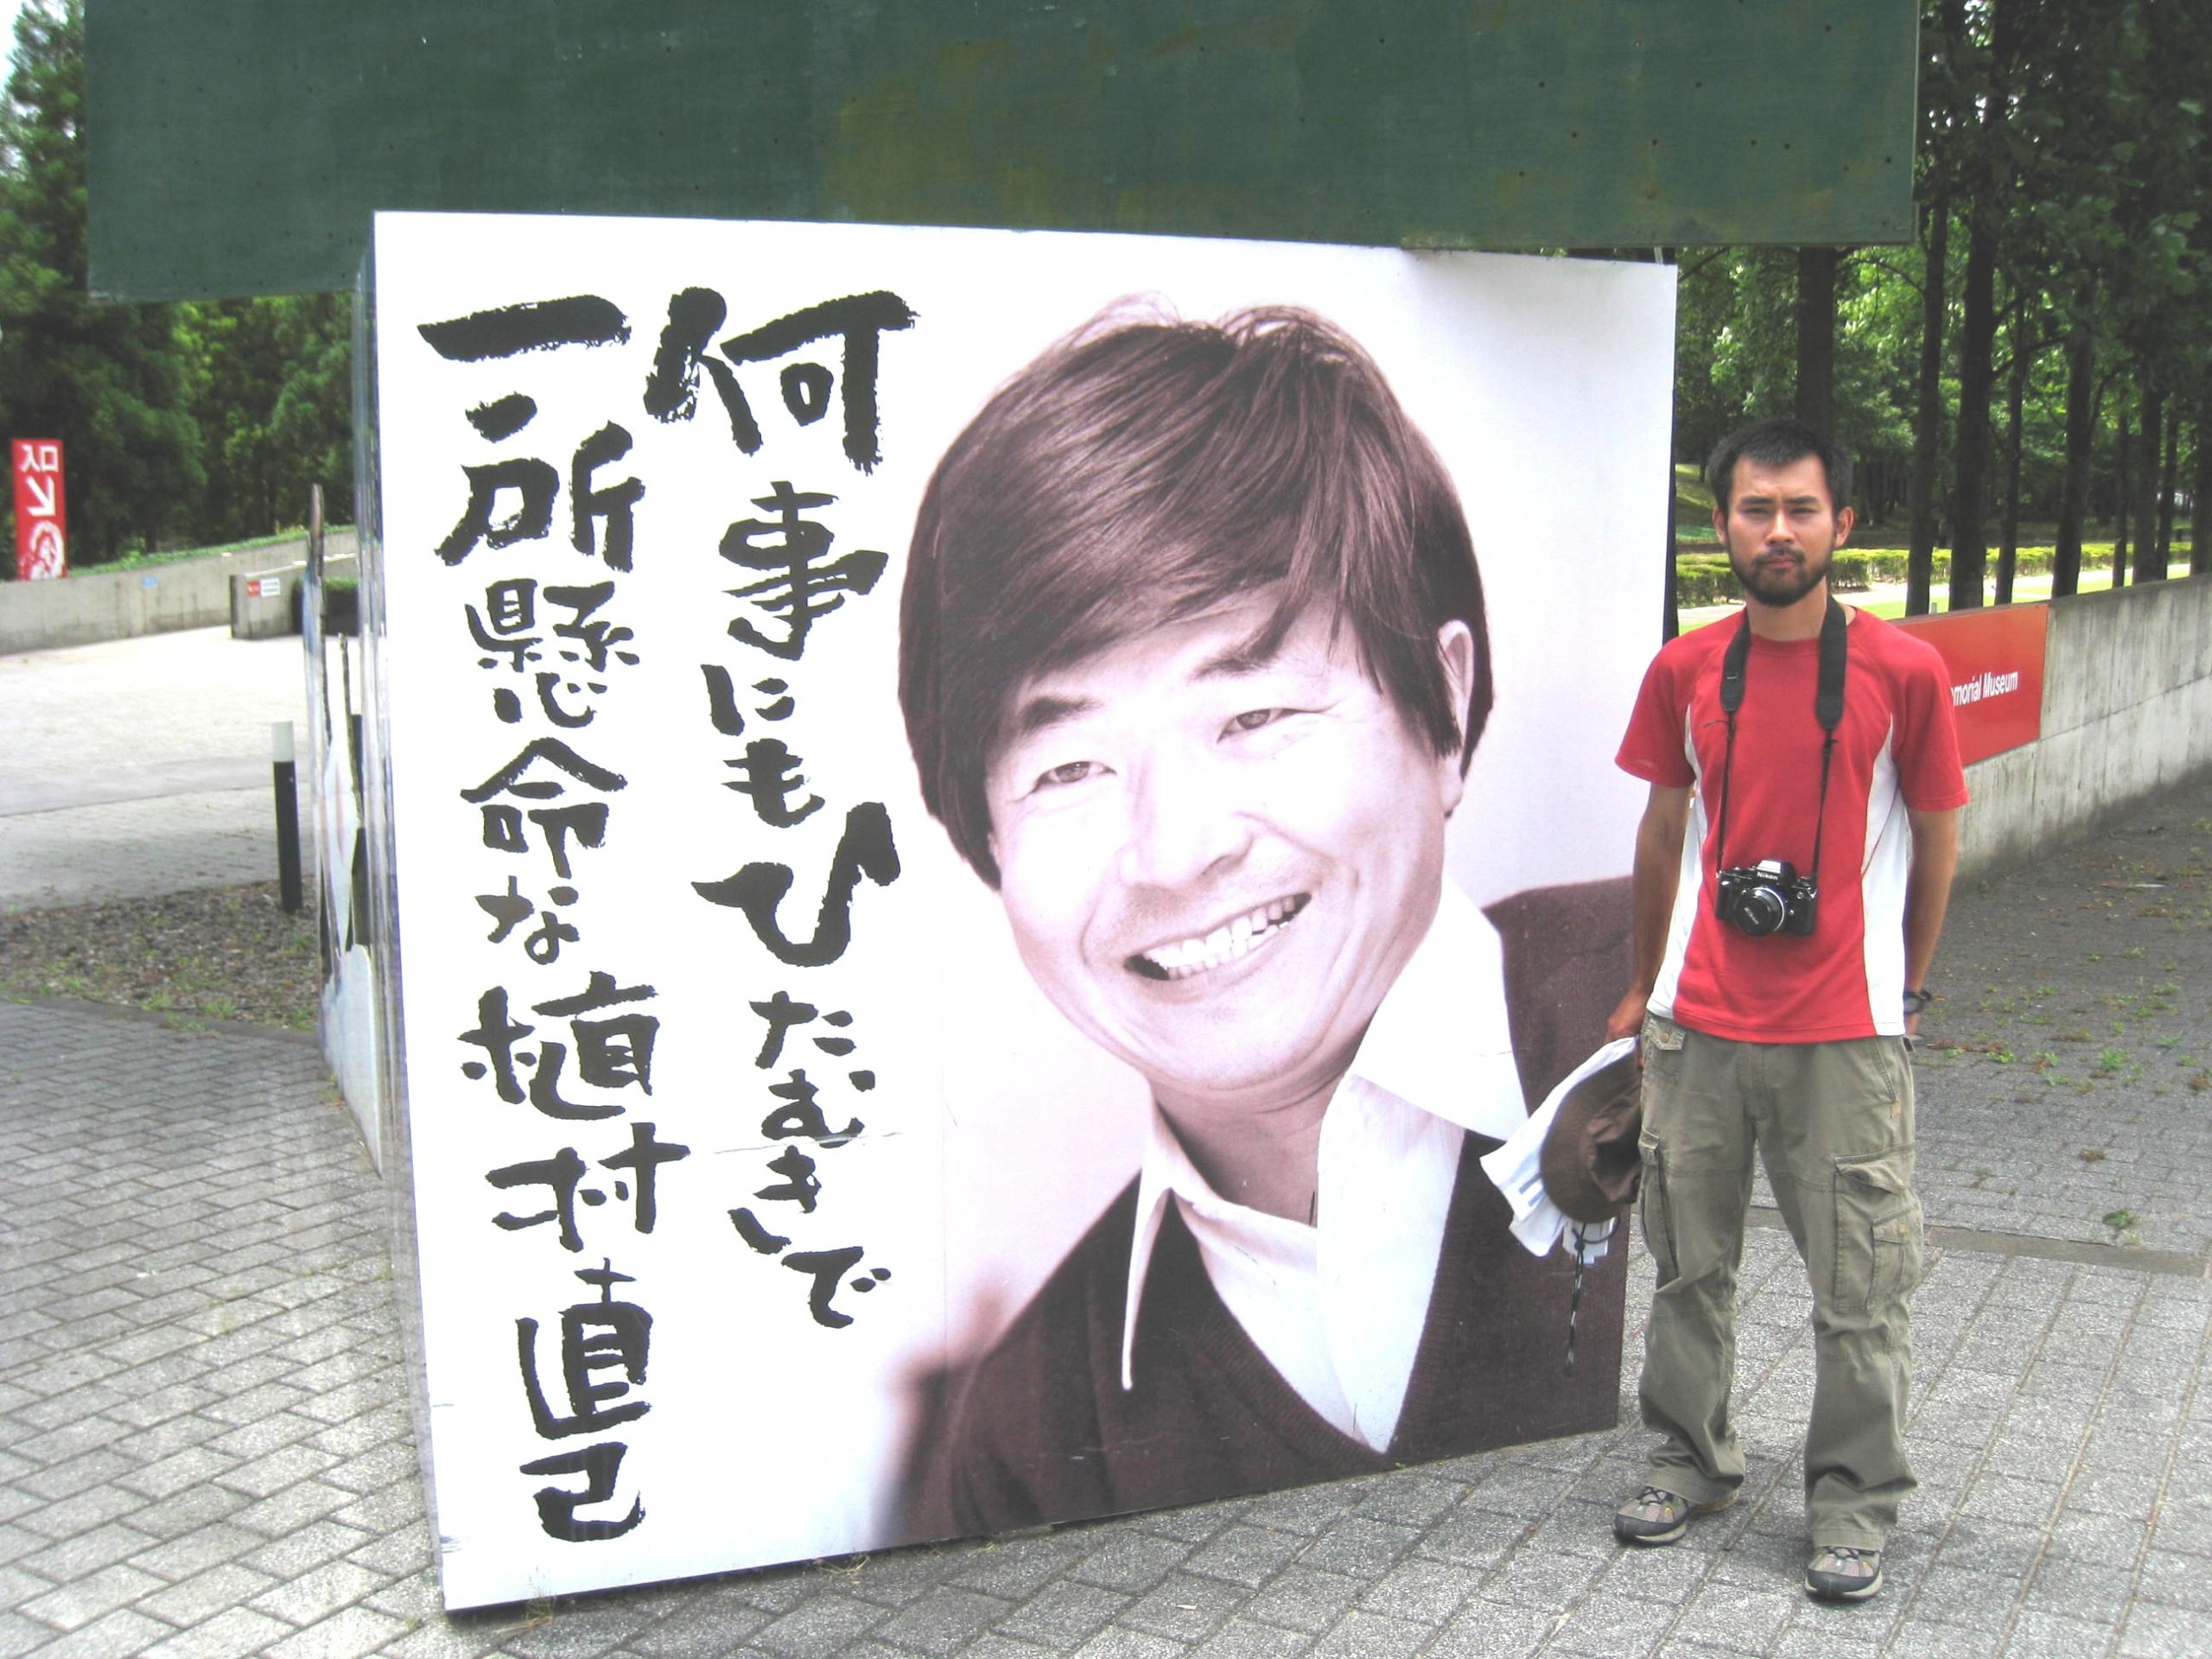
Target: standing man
{"points": [[1791, 872]]}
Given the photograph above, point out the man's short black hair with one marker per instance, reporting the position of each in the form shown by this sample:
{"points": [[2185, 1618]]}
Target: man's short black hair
{"points": [[1778, 442], [1144, 471]]}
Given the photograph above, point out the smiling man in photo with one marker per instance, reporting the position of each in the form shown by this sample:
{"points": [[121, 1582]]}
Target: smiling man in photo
{"points": [[1193, 658]]}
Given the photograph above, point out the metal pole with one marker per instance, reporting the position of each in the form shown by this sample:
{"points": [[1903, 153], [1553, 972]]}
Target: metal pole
{"points": [[288, 815]]}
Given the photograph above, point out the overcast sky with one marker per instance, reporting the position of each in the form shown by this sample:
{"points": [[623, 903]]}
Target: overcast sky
{"points": [[9, 9]]}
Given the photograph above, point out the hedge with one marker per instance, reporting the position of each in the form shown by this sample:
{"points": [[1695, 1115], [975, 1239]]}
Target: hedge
{"points": [[1706, 578]]}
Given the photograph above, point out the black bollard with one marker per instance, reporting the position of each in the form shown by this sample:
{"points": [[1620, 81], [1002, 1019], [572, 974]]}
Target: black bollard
{"points": [[287, 816]]}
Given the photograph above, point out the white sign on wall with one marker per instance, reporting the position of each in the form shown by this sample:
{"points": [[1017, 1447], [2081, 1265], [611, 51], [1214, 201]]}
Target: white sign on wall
{"points": [[754, 1130]]}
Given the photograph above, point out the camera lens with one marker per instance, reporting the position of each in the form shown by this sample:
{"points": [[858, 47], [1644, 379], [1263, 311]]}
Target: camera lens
{"points": [[1759, 911]]}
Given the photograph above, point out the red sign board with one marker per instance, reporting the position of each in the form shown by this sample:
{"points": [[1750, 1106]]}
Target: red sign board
{"points": [[1994, 660], [42, 515]]}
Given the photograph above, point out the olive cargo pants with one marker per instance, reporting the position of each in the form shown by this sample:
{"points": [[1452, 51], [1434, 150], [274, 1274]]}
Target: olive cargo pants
{"points": [[1833, 1122]]}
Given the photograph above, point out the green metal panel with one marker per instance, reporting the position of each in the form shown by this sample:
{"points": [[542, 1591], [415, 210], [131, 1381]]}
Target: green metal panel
{"points": [[239, 146]]}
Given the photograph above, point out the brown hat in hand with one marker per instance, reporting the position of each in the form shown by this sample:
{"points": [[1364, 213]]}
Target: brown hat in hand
{"points": [[1590, 1160]]}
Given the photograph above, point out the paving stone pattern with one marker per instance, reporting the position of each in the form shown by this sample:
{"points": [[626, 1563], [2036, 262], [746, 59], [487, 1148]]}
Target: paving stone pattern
{"points": [[120, 849], [2078, 1003], [205, 1448], [142, 766]]}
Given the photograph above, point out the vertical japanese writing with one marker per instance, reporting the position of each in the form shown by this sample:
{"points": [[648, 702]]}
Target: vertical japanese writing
{"points": [[795, 578], [558, 1037], [554, 648]]}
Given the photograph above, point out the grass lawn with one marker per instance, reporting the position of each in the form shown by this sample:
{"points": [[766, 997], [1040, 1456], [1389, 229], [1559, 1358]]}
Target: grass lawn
{"points": [[2025, 590], [1887, 600]]}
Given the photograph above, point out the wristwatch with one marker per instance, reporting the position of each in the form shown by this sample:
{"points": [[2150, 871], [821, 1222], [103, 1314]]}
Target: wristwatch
{"points": [[1916, 1002]]}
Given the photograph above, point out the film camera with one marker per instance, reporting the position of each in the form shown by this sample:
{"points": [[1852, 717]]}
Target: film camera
{"points": [[1768, 896]]}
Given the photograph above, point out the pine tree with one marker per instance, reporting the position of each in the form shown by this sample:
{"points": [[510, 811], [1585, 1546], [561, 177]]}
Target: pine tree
{"points": [[274, 400], [110, 381]]}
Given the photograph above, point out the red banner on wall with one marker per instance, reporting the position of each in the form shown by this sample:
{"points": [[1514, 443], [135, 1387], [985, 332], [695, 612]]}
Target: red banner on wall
{"points": [[42, 514], [1994, 660]]}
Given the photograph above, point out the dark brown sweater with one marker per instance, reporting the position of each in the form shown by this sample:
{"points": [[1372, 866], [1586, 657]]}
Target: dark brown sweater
{"points": [[1041, 1429]]}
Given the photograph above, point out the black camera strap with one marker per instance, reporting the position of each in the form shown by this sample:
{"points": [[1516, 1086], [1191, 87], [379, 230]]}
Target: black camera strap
{"points": [[1827, 708]]}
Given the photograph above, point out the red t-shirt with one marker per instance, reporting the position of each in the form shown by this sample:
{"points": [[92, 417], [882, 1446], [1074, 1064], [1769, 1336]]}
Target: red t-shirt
{"points": [[1895, 749]]}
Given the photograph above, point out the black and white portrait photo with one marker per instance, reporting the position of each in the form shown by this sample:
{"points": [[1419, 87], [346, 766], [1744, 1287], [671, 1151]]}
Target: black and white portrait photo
{"points": [[988, 827], [1193, 659]]}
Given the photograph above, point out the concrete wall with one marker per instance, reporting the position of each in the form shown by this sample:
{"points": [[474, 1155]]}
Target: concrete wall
{"points": [[85, 607], [268, 615], [2126, 714], [276, 612]]}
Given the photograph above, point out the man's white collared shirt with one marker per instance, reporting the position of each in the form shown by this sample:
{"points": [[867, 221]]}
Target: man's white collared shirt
{"points": [[1338, 1307]]}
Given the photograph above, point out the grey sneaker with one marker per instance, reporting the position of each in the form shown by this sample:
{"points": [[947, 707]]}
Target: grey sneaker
{"points": [[1839, 1573], [1656, 1515]]}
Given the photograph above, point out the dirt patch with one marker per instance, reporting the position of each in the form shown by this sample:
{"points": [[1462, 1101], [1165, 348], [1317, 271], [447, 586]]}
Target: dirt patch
{"points": [[227, 953]]}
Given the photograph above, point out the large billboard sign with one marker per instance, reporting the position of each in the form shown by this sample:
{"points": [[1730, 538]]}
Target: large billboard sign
{"points": [[41, 509], [1994, 658], [987, 828]]}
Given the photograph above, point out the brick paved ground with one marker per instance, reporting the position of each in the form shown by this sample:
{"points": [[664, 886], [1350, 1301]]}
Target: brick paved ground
{"points": [[142, 766], [205, 1448]]}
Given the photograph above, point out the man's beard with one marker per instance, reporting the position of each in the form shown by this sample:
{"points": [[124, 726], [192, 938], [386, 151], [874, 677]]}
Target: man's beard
{"points": [[1783, 584]]}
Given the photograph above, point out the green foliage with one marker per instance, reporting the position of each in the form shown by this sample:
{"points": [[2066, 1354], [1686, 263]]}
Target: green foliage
{"points": [[109, 381], [189, 424], [1735, 346], [273, 394], [2073, 135], [146, 558], [1707, 578]]}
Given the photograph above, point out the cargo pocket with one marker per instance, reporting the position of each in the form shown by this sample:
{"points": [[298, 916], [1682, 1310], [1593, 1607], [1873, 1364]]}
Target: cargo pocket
{"points": [[1878, 1229], [1662, 1041], [1652, 1205]]}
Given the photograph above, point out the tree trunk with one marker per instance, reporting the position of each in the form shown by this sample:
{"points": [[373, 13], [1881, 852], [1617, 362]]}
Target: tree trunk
{"points": [[1928, 418], [1671, 619], [1816, 395], [1670, 623], [2149, 566], [2008, 544], [1970, 450], [2119, 499], [2081, 442], [2200, 495], [2166, 482]]}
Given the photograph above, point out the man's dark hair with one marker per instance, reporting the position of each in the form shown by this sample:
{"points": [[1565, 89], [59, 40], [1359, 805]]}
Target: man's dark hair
{"points": [[1145, 472], [1777, 443]]}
